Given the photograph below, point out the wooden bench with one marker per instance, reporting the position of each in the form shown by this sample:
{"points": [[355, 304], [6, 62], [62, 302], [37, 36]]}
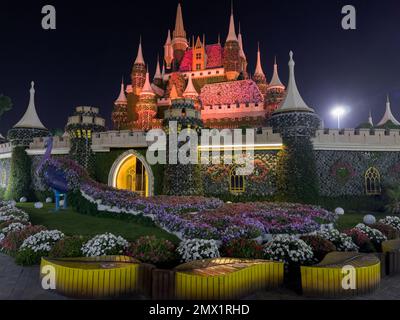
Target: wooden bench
{"points": [[225, 278], [326, 278]]}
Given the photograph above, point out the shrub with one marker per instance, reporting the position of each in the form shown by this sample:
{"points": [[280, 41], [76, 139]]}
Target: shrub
{"points": [[13, 241], [374, 235], [69, 247], [198, 249], [9, 213], [28, 257], [388, 231], [364, 244], [393, 194], [20, 175], [391, 221], [320, 246], [341, 241], [104, 245], [243, 248], [150, 249], [11, 227], [288, 249]]}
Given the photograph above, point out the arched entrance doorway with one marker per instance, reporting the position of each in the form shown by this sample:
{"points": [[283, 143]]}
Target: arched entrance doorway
{"points": [[131, 172]]}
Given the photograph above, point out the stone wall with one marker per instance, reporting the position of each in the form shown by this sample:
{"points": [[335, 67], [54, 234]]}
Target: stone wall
{"points": [[343, 172]]}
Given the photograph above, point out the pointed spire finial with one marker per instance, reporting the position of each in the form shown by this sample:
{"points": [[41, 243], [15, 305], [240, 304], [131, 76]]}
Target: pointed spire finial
{"points": [[139, 58], [179, 31], [293, 100], [147, 89], [190, 90], [388, 116], [121, 100], [276, 81], [158, 74], [232, 33], [259, 70]]}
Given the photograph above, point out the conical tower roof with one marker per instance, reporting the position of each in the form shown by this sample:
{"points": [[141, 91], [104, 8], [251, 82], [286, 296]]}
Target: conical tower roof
{"points": [[276, 81], [179, 31], [232, 33], [139, 58], [122, 100], [31, 118], [388, 116], [147, 89], [293, 100], [240, 39], [370, 121], [168, 41], [259, 70], [190, 89], [158, 74]]}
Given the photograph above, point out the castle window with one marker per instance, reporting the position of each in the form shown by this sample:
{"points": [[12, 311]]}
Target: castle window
{"points": [[373, 182], [198, 66], [198, 56], [237, 183]]}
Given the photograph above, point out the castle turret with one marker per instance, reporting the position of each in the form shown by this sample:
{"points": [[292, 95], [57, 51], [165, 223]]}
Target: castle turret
{"points": [[29, 126], [275, 92], [388, 120], [232, 52], [120, 112], [259, 76], [158, 81], [297, 123], [243, 58], [191, 93], [138, 75], [179, 40], [146, 108], [168, 51], [199, 55]]}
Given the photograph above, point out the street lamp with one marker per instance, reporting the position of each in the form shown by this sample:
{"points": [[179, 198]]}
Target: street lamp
{"points": [[338, 112]]}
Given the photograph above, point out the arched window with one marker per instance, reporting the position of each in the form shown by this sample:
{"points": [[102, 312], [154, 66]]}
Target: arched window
{"points": [[237, 183], [373, 182], [131, 179]]}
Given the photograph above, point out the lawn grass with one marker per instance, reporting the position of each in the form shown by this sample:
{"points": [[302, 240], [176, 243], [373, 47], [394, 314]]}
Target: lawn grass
{"points": [[71, 223], [351, 218]]}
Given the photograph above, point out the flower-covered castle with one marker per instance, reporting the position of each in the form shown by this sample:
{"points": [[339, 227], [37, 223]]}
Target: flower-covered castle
{"points": [[214, 75]]}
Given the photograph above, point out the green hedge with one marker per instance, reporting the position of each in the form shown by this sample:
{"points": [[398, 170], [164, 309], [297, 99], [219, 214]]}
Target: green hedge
{"points": [[20, 177], [356, 203]]}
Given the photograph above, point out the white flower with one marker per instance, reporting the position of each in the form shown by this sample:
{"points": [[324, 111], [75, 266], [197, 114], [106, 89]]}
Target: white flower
{"points": [[104, 244], [42, 241], [198, 249], [391, 221], [372, 234]]}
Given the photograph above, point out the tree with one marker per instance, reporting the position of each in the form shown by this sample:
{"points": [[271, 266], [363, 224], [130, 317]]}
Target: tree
{"points": [[19, 184], [5, 104]]}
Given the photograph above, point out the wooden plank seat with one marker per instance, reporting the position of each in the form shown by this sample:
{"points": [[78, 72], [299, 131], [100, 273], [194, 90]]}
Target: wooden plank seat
{"points": [[326, 278], [226, 278], [391, 249], [99, 277]]}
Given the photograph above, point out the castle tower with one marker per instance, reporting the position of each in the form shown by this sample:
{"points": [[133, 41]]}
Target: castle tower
{"points": [[168, 51], [179, 41], [181, 179], [120, 112], [158, 78], [259, 76], [275, 92], [199, 55], [191, 93], [138, 74], [243, 58], [29, 126], [297, 123], [232, 52], [388, 119], [146, 107]]}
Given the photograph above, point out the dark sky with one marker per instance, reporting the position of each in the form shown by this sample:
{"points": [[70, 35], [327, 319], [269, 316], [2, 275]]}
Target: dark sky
{"points": [[81, 63]]}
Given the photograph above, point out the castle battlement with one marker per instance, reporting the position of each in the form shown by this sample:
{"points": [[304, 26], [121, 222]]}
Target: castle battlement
{"points": [[119, 139], [237, 110], [5, 148], [200, 74]]}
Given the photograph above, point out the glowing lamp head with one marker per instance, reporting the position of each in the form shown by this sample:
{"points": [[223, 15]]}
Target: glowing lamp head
{"points": [[338, 111]]}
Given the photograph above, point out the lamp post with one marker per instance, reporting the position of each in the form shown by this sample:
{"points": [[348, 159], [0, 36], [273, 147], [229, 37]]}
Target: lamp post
{"points": [[338, 112]]}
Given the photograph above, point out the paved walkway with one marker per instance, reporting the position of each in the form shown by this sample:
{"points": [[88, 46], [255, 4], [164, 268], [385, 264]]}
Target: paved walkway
{"points": [[23, 283]]}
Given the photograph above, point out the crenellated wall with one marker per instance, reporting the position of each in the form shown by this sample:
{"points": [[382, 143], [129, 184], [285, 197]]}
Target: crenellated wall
{"points": [[230, 111]]}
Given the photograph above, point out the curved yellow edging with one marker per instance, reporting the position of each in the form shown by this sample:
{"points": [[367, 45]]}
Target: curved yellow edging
{"points": [[92, 278], [222, 279], [327, 278]]}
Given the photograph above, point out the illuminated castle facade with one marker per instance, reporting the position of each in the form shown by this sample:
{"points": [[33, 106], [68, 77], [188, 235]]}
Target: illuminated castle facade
{"points": [[215, 76]]}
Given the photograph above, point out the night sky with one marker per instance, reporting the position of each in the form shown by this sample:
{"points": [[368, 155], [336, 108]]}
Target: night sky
{"points": [[81, 63]]}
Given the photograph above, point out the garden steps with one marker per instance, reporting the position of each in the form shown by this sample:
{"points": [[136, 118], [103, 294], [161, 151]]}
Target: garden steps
{"points": [[326, 278]]}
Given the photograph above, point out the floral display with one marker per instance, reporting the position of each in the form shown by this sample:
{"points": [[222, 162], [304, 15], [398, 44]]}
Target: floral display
{"points": [[243, 248], [320, 246], [388, 231], [198, 249], [364, 244], [342, 241], [150, 249], [42, 241], [104, 245], [8, 212], [12, 227], [68, 247], [245, 91], [288, 249], [373, 234], [13, 241], [342, 171], [214, 58], [391, 221]]}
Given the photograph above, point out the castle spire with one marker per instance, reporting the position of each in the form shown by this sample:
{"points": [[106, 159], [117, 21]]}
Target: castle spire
{"points": [[276, 81], [147, 89], [259, 71], [370, 121], [179, 31], [158, 70], [190, 89], [388, 116], [139, 58], [240, 39], [122, 100], [31, 118], [293, 100], [232, 33]]}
